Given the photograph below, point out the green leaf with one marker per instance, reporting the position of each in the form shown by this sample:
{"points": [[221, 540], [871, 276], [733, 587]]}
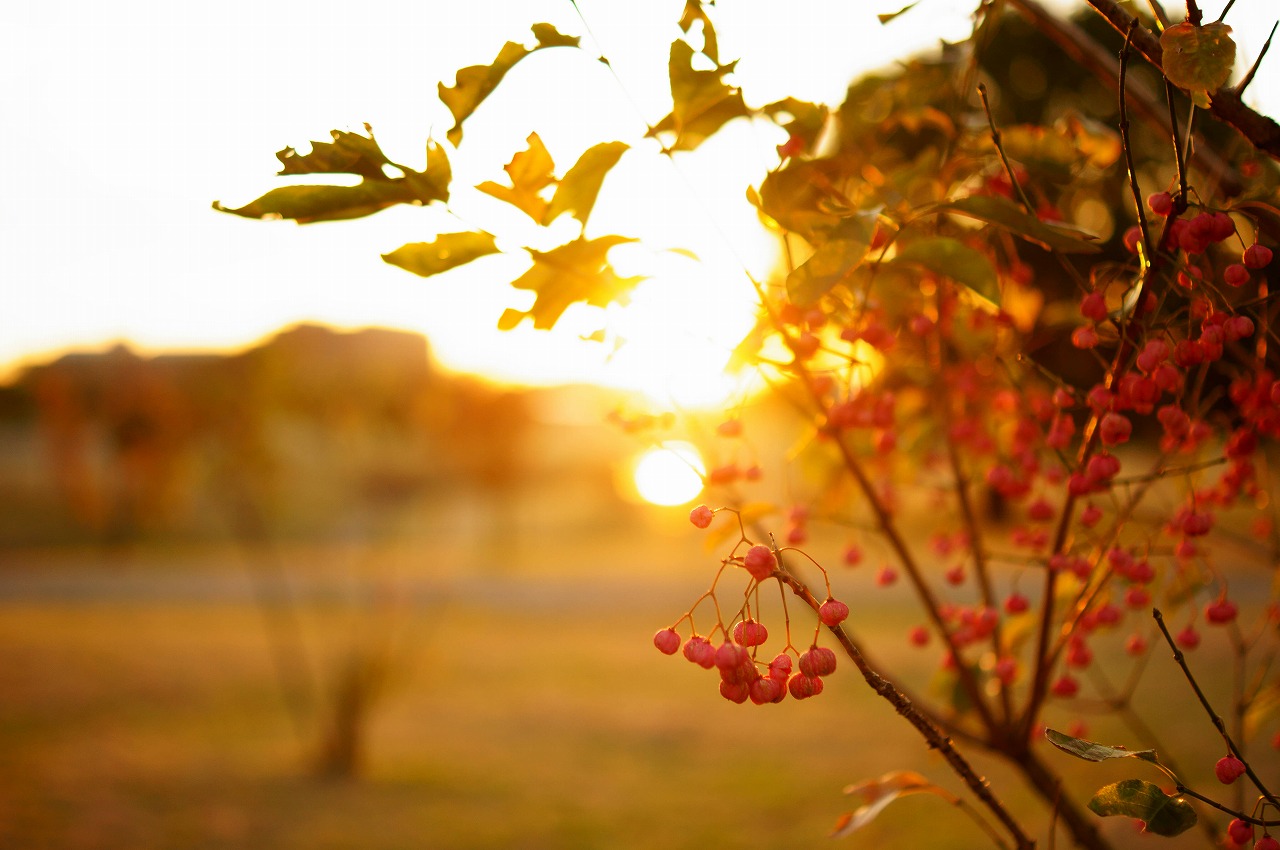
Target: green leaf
{"points": [[1092, 751], [834, 260], [947, 257], [579, 187], [702, 102], [693, 11], [476, 82], [887, 17], [1008, 215], [443, 253], [1134, 798], [348, 153], [1198, 59], [577, 271], [530, 171]]}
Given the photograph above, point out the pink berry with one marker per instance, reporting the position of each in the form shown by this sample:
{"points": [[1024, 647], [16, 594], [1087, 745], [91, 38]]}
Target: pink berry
{"points": [[1016, 603], [667, 641], [1266, 842], [766, 690], [780, 667], [887, 576], [1220, 612], [1090, 515], [1084, 337], [918, 636], [1160, 203], [735, 691], [1135, 644], [750, 633], [1133, 238], [1188, 638], [1228, 769], [760, 562], [1006, 670], [1235, 274], [1065, 687], [700, 651], [1241, 832], [818, 661], [1114, 429], [1197, 524], [1257, 256], [701, 516], [1237, 328], [1094, 307], [803, 686], [833, 612], [852, 556]]}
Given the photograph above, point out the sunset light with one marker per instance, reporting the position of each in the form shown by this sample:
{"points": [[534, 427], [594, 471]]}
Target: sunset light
{"points": [[670, 474]]}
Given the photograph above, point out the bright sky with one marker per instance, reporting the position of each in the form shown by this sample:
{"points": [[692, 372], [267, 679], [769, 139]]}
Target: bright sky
{"points": [[121, 123]]}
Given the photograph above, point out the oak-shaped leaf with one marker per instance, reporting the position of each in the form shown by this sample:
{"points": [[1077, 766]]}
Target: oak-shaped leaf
{"points": [[1135, 798], [445, 252], [1093, 751], [1198, 59], [835, 260], [876, 794], [383, 183], [807, 120], [476, 82], [947, 257], [693, 11], [580, 185], [702, 102], [1009, 216], [531, 171], [577, 271]]}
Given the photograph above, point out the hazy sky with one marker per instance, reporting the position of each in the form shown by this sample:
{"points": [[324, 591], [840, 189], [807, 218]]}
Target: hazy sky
{"points": [[123, 122]]}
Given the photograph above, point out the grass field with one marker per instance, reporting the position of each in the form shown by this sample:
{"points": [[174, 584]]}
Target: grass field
{"points": [[519, 712]]}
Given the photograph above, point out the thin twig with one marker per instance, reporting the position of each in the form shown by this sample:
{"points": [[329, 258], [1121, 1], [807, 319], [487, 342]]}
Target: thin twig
{"points": [[1127, 147], [1248, 78]]}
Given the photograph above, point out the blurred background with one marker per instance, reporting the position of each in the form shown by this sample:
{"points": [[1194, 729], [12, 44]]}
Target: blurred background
{"points": [[297, 551]]}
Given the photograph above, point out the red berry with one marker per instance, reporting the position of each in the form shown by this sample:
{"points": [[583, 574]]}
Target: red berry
{"points": [[731, 659], [1257, 256], [730, 428], [1133, 238], [818, 661], [833, 612], [750, 633], [1188, 638], [1197, 524], [918, 636], [700, 651], [1065, 687], [1090, 515], [852, 556], [1228, 769], [735, 691], [760, 562], [1016, 603], [792, 146], [803, 686], [1241, 832], [780, 667], [1237, 328], [1266, 842], [1006, 670], [887, 576], [701, 516], [667, 641], [765, 690], [1135, 645], [1220, 612], [1114, 429], [1094, 306], [1084, 337], [1235, 275], [1160, 203]]}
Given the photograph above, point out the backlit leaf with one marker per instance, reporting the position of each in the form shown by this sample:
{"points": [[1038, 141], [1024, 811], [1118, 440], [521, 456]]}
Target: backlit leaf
{"points": [[876, 794], [443, 253], [476, 82], [799, 198], [530, 171], [702, 102], [889, 16], [348, 153], [577, 271], [1198, 59], [1134, 798], [1092, 751], [693, 11], [1006, 214], [834, 260], [947, 257], [579, 187], [306, 204], [807, 119]]}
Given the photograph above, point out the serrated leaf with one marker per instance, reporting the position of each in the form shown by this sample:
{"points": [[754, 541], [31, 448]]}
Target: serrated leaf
{"points": [[1198, 59], [947, 257], [877, 794], [1093, 751], [889, 16], [834, 260], [693, 11], [476, 82], [445, 252], [577, 271], [580, 185], [1134, 798], [1008, 215], [530, 171], [702, 102]]}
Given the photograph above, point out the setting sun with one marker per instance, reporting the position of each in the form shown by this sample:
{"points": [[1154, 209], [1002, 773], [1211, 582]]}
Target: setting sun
{"points": [[670, 474]]}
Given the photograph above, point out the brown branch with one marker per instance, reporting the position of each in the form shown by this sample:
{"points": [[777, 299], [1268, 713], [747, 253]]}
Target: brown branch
{"points": [[1261, 132]]}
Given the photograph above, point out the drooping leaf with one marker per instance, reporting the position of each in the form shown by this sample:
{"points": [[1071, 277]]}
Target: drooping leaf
{"points": [[876, 794], [693, 11], [530, 171], [1092, 751], [476, 82], [580, 185], [383, 183], [834, 260], [1198, 59], [577, 271], [889, 16], [702, 102], [446, 251], [1134, 798], [947, 257], [1006, 214]]}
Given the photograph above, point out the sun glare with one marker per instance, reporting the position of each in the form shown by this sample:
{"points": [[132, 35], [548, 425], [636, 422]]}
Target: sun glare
{"points": [[670, 474]]}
